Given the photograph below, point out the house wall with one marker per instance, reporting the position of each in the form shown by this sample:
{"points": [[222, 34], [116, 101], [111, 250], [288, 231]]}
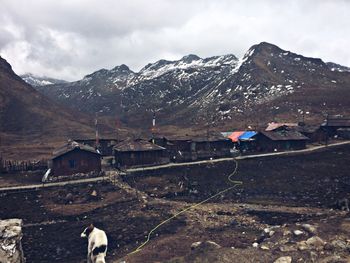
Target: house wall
{"points": [[216, 149], [317, 136], [76, 161], [264, 144], [140, 158]]}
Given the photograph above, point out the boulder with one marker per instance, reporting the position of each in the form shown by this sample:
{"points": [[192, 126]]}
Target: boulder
{"points": [[315, 242], [204, 246], [286, 259], [309, 228]]}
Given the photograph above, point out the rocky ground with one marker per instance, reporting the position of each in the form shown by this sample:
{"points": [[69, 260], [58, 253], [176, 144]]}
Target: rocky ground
{"points": [[283, 212]]}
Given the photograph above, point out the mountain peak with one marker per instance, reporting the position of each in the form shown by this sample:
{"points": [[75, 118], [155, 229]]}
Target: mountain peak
{"points": [[189, 58], [122, 67], [5, 66]]}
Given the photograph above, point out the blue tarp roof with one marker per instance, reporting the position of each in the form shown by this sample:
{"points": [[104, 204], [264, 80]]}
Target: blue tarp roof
{"points": [[247, 135]]}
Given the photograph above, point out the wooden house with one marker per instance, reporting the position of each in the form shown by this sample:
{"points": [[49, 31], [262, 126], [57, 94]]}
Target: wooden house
{"points": [[75, 158], [273, 126], [214, 146], [138, 153], [280, 140], [179, 148], [105, 145], [247, 142], [344, 133], [192, 148], [314, 132], [333, 123]]}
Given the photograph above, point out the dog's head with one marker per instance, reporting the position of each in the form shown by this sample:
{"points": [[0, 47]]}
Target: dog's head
{"points": [[87, 231]]}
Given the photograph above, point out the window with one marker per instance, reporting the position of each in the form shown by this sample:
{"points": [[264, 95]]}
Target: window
{"points": [[72, 164]]}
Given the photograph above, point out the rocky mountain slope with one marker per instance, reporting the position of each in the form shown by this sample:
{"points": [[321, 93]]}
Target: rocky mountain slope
{"points": [[265, 84], [25, 113], [35, 81]]}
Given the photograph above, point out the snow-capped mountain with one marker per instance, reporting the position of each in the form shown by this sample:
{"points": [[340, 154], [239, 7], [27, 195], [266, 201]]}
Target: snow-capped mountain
{"points": [[37, 81], [337, 67], [266, 80]]}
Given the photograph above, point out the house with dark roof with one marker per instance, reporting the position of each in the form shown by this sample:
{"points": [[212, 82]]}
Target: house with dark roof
{"points": [[74, 158], [196, 147], [315, 133], [104, 145], [281, 140], [335, 122], [138, 153]]}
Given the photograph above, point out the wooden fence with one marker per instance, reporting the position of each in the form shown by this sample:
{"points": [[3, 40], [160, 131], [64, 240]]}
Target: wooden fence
{"points": [[10, 166]]}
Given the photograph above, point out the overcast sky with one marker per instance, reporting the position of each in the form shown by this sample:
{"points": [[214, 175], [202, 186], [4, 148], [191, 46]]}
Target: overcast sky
{"points": [[68, 39]]}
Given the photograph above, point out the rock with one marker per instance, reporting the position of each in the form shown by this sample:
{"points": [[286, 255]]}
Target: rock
{"points": [[255, 244], [286, 233], [263, 247], [334, 259], [309, 228], [271, 233], [302, 246], [69, 198], [10, 241], [286, 259], [286, 248], [298, 232], [204, 246], [339, 244], [313, 256], [315, 242], [194, 245]]}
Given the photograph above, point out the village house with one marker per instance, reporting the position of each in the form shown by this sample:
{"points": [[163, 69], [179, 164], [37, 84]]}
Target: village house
{"points": [[75, 158], [280, 140], [335, 122], [314, 132], [273, 126], [192, 148], [104, 145], [138, 153], [247, 142]]}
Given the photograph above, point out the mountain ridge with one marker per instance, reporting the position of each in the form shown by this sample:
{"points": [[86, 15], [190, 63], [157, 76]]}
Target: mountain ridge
{"points": [[183, 90]]}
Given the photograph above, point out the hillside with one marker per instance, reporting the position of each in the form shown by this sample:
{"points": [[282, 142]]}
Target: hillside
{"points": [[266, 83], [25, 114]]}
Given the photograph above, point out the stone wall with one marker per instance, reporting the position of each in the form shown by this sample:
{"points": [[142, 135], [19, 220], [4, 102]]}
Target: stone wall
{"points": [[10, 241]]}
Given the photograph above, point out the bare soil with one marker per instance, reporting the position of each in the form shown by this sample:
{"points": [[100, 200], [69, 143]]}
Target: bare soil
{"points": [[276, 191]]}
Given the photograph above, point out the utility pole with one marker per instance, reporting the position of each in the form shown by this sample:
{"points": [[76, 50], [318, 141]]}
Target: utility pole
{"points": [[153, 129], [96, 132]]}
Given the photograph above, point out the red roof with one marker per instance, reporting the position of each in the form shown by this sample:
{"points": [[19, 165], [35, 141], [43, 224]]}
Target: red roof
{"points": [[234, 136]]}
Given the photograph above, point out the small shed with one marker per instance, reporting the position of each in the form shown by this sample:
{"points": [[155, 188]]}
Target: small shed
{"points": [[138, 153], [247, 142], [75, 158], [282, 140]]}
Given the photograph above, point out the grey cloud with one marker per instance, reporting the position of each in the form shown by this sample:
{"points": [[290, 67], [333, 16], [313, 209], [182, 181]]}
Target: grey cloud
{"points": [[71, 38]]}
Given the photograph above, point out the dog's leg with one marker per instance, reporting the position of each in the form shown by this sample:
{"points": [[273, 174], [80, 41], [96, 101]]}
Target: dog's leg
{"points": [[89, 258]]}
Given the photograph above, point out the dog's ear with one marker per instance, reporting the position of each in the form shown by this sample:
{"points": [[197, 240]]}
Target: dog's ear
{"points": [[87, 231]]}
